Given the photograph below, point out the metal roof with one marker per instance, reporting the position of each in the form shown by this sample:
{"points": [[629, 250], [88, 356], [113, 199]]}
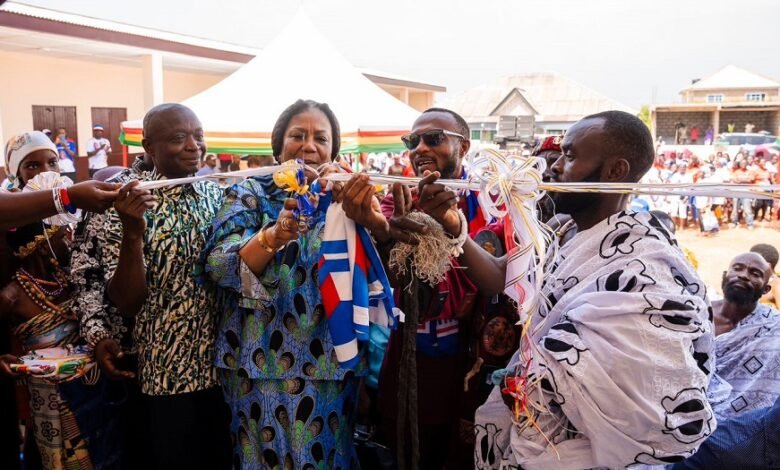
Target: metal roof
{"points": [[733, 77], [106, 25], [552, 96]]}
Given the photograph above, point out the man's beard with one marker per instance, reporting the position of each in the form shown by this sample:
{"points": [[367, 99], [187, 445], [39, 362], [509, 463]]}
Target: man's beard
{"points": [[573, 203], [740, 296], [448, 172]]}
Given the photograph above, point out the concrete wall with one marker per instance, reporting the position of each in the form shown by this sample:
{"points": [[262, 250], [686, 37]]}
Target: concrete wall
{"points": [[774, 123], [665, 121], [763, 120], [178, 86], [420, 100], [27, 80]]}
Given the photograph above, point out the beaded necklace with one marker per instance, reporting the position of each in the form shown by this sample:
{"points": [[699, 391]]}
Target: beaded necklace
{"points": [[31, 287], [40, 283]]}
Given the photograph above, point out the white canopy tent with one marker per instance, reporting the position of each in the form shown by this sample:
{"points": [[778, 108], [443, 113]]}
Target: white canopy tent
{"points": [[239, 112]]}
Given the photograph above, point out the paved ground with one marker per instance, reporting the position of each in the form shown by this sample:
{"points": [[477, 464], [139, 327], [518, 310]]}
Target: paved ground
{"points": [[714, 253]]}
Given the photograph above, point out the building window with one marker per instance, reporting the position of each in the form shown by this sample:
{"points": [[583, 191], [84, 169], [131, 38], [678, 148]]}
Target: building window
{"points": [[714, 98], [475, 135], [755, 96]]}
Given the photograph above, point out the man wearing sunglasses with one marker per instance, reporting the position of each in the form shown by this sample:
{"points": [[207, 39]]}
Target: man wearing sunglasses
{"points": [[446, 334]]}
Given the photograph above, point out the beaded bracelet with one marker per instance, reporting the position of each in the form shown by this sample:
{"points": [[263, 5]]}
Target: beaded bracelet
{"points": [[55, 193], [66, 200], [97, 337]]}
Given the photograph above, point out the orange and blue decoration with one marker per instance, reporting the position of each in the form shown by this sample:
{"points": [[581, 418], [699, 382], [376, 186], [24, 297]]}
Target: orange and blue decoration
{"points": [[293, 180]]}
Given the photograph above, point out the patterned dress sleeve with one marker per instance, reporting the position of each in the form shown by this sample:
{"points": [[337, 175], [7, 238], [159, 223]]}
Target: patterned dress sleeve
{"points": [[88, 279], [247, 207]]}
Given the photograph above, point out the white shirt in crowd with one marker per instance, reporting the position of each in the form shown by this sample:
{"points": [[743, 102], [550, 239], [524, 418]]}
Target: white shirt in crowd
{"points": [[100, 159], [66, 165]]}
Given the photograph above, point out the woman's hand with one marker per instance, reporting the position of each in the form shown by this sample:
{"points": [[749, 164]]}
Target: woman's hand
{"points": [[336, 187], [93, 196], [361, 205], [286, 227]]}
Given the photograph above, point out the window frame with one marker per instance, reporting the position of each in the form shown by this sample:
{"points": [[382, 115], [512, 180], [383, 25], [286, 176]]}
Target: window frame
{"points": [[760, 95]]}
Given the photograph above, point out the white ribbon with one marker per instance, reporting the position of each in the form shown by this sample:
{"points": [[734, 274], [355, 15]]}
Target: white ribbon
{"points": [[511, 186], [749, 191], [262, 171]]}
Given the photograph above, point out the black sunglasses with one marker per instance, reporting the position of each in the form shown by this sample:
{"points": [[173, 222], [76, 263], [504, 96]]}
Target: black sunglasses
{"points": [[431, 138]]}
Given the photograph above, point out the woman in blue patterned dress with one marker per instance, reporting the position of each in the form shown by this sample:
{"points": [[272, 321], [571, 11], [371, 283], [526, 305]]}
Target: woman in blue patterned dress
{"points": [[292, 405]]}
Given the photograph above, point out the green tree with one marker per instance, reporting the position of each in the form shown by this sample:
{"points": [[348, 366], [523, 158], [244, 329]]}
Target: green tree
{"points": [[644, 115]]}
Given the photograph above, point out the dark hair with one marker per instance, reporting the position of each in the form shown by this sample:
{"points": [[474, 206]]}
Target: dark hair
{"points": [[768, 252], [664, 218], [628, 137], [25, 240], [277, 134], [23, 235], [463, 126]]}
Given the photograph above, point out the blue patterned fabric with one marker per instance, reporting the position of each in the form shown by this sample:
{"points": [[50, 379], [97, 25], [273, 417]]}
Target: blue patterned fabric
{"points": [[750, 441], [276, 424], [273, 327], [274, 348]]}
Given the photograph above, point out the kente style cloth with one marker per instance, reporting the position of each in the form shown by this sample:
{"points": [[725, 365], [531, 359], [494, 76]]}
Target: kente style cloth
{"points": [[621, 359], [747, 365], [354, 287], [292, 403], [73, 422]]}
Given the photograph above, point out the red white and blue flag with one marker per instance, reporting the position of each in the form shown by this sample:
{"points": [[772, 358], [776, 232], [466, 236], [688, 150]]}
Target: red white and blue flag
{"points": [[354, 287]]}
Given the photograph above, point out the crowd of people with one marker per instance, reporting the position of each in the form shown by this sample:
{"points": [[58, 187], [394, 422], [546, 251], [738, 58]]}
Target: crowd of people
{"points": [[710, 214], [228, 327]]}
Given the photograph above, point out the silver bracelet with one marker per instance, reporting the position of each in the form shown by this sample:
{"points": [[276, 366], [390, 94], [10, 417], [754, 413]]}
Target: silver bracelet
{"points": [[456, 248]]}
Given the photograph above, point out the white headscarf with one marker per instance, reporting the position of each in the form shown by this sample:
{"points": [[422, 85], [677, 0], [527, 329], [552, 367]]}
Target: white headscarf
{"points": [[20, 146]]}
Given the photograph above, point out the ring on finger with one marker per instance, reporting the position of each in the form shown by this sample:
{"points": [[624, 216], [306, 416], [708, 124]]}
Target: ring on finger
{"points": [[287, 225]]}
